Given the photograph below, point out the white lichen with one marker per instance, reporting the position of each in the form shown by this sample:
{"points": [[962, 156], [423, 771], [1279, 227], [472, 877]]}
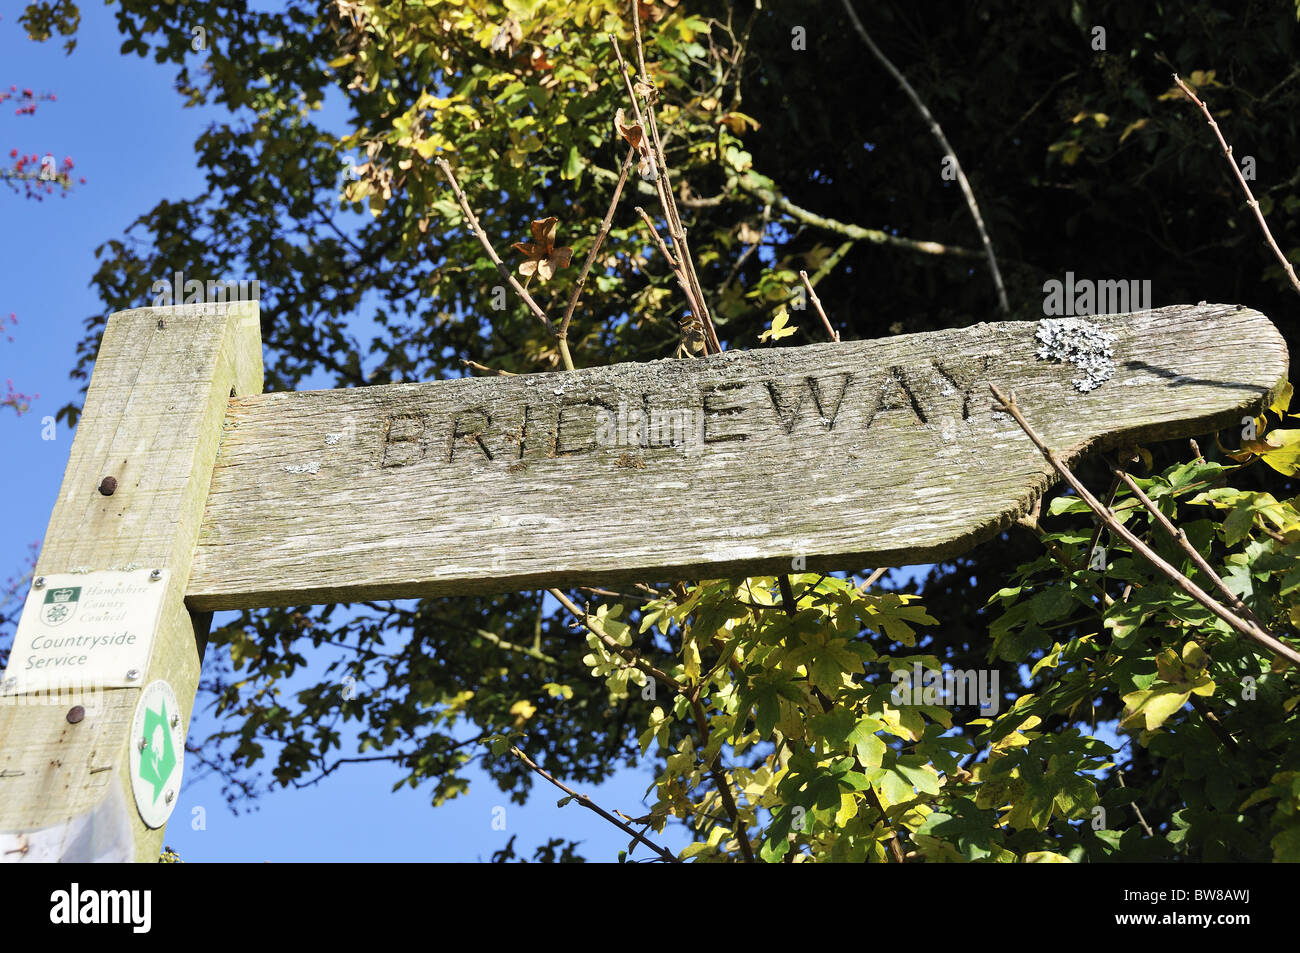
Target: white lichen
{"points": [[1083, 344]]}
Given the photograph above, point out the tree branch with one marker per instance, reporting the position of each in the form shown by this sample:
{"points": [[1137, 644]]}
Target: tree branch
{"points": [[817, 303], [1260, 637], [563, 334], [937, 130], [591, 805], [1250, 198], [477, 229], [874, 235]]}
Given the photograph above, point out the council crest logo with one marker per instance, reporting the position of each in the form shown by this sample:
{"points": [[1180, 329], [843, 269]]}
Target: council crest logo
{"points": [[60, 605]]}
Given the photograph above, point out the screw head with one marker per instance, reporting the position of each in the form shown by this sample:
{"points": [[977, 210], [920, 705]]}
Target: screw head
{"points": [[38, 582], [132, 675], [75, 714], [108, 485], [176, 720], [141, 744], [155, 575], [169, 796]]}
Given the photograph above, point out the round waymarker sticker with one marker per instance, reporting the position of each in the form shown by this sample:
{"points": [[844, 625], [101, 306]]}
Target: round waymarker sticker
{"points": [[157, 753]]}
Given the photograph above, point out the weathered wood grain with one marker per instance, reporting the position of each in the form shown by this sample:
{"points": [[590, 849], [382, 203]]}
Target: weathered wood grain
{"points": [[873, 453], [152, 420]]}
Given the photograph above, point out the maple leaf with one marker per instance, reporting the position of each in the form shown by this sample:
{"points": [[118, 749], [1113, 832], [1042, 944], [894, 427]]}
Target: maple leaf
{"points": [[543, 257]]}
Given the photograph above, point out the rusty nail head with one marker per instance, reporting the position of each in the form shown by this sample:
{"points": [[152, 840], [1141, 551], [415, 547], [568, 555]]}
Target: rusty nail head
{"points": [[75, 714], [108, 485]]}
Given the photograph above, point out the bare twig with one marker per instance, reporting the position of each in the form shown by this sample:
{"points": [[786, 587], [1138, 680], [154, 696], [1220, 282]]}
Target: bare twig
{"points": [[673, 264], [1241, 179], [663, 186], [944, 144], [1133, 804], [477, 229], [563, 334], [873, 579], [530, 651], [476, 366], [591, 805], [720, 782], [1244, 627], [817, 303], [1096, 533], [1180, 537], [1212, 722]]}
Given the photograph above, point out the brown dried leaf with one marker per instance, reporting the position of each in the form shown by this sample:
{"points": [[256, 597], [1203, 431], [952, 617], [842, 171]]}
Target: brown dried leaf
{"points": [[543, 258], [507, 37], [632, 133], [646, 91]]}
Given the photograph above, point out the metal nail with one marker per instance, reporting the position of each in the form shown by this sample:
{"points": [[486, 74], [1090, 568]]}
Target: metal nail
{"points": [[170, 796], [39, 583], [132, 675], [176, 720], [141, 744], [75, 714], [155, 575], [108, 485]]}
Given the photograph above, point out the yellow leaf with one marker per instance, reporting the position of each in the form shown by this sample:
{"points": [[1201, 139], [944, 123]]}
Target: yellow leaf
{"points": [[778, 329], [523, 710], [1154, 706], [1132, 128], [1046, 857], [1284, 453], [1283, 399], [848, 809]]}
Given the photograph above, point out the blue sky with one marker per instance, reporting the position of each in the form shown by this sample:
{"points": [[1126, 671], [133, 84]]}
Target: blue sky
{"points": [[119, 119]]}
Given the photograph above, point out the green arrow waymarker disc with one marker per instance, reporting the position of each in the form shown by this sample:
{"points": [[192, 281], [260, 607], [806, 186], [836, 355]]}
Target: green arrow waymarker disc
{"points": [[157, 753]]}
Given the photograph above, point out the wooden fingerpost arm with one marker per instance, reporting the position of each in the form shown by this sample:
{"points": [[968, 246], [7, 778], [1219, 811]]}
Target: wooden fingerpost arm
{"points": [[131, 504]]}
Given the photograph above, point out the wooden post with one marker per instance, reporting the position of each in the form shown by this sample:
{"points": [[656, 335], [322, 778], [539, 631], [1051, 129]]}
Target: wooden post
{"points": [[153, 422]]}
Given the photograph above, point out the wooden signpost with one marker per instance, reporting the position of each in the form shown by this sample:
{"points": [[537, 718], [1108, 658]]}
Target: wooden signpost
{"points": [[884, 452]]}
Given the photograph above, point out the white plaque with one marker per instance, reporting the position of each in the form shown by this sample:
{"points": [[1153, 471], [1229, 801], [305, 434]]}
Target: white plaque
{"points": [[88, 629]]}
